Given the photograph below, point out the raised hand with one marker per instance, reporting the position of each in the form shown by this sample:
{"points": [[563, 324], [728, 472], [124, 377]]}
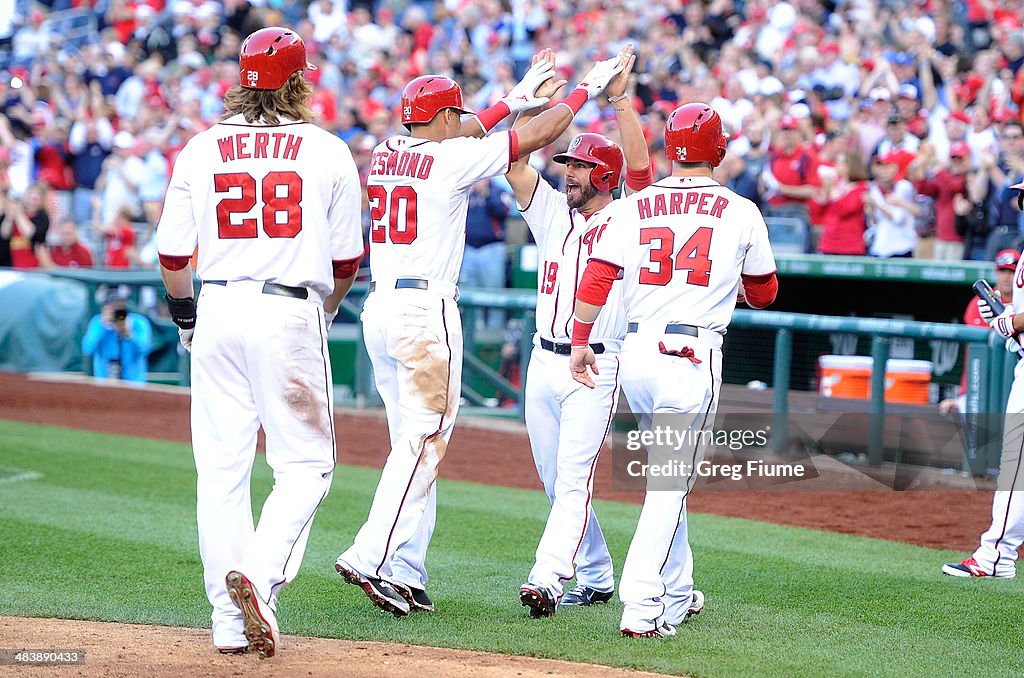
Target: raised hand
{"points": [[524, 95], [600, 74], [617, 86]]}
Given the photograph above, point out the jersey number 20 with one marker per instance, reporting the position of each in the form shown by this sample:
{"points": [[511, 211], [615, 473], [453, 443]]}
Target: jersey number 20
{"points": [[282, 193], [692, 256], [400, 209]]}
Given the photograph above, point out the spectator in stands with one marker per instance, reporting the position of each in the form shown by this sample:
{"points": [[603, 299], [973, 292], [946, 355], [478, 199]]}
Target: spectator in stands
{"points": [[26, 224], [1006, 224], [842, 197], [791, 178], [943, 182], [898, 141], [6, 228], [891, 210], [69, 252], [90, 142], [119, 342], [483, 265], [746, 160], [119, 241], [118, 184]]}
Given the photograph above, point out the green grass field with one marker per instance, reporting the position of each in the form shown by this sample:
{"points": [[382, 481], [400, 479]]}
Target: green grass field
{"points": [[108, 533]]}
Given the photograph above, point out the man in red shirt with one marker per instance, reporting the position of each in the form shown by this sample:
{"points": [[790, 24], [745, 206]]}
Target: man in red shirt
{"points": [[944, 185], [70, 253], [1006, 266], [119, 238], [793, 179]]}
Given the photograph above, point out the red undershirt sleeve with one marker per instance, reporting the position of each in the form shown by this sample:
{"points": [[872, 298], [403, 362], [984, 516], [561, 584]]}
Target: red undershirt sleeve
{"points": [[760, 290]]}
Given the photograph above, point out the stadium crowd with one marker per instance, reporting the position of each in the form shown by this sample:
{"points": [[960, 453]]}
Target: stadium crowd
{"points": [[886, 128]]}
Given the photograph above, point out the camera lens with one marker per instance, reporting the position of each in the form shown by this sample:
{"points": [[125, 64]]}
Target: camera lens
{"points": [[120, 314]]}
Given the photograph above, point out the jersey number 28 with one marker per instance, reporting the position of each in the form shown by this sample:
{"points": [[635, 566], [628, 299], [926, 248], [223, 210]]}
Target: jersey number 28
{"points": [[692, 256], [282, 211], [400, 210]]}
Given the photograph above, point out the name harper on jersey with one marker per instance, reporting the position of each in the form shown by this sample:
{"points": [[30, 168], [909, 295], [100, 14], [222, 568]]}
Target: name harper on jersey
{"points": [[401, 164], [681, 203], [250, 145]]}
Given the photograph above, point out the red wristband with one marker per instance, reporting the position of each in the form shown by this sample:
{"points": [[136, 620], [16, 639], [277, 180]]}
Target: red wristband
{"points": [[581, 333], [638, 180], [489, 117], [576, 100]]}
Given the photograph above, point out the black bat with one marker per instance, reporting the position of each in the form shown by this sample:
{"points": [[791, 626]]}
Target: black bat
{"points": [[985, 291]]}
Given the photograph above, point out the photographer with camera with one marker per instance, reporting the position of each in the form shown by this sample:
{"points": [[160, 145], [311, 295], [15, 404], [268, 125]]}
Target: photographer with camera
{"points": [[119, 342]]}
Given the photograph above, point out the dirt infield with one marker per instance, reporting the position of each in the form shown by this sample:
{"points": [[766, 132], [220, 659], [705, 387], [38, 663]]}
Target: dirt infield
{"points": [[130, 650], [498, 452]]}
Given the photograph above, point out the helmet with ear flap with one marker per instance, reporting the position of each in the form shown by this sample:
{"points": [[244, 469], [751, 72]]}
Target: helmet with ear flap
{"points": [[602, 152]]}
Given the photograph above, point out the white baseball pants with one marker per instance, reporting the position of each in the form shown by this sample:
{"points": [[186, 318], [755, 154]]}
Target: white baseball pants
{"points": [[414, 339], [657, 576], [257, 359], [567, 424], [997, 553]]}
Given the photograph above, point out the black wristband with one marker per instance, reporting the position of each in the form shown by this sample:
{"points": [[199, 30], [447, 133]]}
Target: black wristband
{"points": [[183, 311]]}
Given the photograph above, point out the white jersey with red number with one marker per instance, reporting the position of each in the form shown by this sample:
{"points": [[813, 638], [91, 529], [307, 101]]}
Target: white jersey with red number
{"points": [[565, 241], [418, 195], [683, 244], [272, 203]]}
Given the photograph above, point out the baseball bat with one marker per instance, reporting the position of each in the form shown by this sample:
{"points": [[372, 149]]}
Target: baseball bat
{"points": [[985, 291]]}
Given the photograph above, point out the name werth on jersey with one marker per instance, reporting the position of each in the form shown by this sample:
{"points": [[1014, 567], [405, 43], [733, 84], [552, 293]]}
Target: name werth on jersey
{"points": [[249, 145], [680, 203], [401, 164]]}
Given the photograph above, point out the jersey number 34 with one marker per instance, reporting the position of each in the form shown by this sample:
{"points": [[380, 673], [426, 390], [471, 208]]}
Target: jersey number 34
{"points": [[282, 211], [692, 256]]}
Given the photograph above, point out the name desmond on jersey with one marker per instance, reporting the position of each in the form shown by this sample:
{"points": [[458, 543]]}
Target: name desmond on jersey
{"points": [[681, 203], [265, 145], [401, 164]]}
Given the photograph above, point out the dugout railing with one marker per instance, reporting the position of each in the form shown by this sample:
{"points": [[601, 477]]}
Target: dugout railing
{"points": [[987, 365]]}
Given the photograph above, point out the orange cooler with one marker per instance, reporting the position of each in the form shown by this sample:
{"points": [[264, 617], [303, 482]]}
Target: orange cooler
{"points": [[849, 376], [906, 381], [844, 376]]}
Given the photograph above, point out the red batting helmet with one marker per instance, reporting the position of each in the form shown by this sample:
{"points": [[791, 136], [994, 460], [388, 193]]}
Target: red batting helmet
{"points": [[426, 95], [269, 57], [602, 153], [693, 133]]}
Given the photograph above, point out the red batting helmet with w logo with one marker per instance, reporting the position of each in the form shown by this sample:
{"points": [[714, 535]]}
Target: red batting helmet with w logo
{"points": [[424, 96], [602, 153]]}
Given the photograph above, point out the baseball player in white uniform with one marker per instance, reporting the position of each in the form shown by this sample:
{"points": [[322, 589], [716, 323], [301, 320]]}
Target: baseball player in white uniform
{"points": [[418, 190], [567, 423], [682, 248], [997, 554], [272, 202]]}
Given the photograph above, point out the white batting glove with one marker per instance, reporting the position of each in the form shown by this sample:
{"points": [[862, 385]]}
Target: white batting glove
{"points": [[986, 311], [185, 337], [1003, 324], [598, 77], [329, 317], [521, 97]]}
